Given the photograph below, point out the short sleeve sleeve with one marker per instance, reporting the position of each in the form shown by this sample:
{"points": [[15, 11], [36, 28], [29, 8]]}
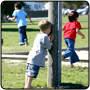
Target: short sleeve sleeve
{"points": [[14, 14], [25, 14], [78, 26]]}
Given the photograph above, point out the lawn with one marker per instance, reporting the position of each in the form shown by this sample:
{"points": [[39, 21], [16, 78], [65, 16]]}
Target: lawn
{"points": [[10, 35], [13, 76]]}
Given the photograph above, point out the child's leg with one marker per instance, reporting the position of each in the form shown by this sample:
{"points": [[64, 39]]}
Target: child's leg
{"points": [[25, 36], [70, 47], [73, 58], [27, 43], [31, 72], [70, 52], [28, 81], [21, 38]]}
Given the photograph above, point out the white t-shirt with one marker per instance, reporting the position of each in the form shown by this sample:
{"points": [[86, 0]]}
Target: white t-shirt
{"points": [[37, 54]]}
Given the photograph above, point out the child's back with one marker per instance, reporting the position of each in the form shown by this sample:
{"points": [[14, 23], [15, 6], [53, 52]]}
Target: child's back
{"points": [[36, 57], [70, 29], [21, 17], [38, 52]]}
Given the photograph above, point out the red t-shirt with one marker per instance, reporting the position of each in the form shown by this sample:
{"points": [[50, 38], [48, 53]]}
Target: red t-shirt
{"points": [[70, 29]]}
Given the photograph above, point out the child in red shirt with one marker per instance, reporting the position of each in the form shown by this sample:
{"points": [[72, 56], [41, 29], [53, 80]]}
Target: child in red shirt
{"points": [[69, 36]]}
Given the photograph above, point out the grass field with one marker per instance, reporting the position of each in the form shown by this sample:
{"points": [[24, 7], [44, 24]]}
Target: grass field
{"points": [[13, 76], [13, 73], [10, 35]]}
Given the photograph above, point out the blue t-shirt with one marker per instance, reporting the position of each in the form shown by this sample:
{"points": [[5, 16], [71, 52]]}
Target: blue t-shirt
{"points": [[21, 17]]}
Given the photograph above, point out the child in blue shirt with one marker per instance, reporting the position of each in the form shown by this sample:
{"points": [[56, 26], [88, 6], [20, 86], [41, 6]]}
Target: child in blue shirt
{"points": [[36, 57], [20, 15]]}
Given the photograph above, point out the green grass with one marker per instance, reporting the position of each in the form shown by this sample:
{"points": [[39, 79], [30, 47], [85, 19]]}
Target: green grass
{"points": [[77, 75], [10, 35], [13, 76]]}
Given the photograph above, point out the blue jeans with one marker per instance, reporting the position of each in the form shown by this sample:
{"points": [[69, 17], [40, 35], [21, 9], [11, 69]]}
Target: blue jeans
{"points": [[70, 52], [22, 35]]}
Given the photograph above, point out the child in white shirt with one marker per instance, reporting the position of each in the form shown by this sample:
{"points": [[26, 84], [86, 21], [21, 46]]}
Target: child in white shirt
{"points": [[36, 57]]}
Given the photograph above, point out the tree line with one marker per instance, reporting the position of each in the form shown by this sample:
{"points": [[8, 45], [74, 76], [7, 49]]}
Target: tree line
{"points": [[7, 7]]}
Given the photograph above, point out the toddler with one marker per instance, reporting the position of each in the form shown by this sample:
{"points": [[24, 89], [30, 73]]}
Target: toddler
{"points": [[20, 15], [69, 36], [36, 57]]}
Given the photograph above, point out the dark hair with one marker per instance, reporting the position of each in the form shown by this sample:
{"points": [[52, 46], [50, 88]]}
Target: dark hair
{"points": [[18, 5], [73, 16]]}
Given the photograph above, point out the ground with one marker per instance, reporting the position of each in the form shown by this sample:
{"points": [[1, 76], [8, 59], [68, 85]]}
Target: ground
{"points": [[13, 76], [13, 73]]}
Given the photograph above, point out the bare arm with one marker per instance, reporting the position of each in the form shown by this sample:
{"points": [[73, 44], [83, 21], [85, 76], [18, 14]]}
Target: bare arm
{"points": [[80, 33], [29, 18], [51, 37], [63, 28], [13, 18]]}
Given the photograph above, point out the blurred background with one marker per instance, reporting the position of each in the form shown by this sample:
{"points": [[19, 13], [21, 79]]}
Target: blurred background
{"points": [[34, 9]]}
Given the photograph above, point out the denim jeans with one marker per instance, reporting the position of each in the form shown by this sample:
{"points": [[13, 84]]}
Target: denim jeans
{"points": [[22, 35], [70, 52]]}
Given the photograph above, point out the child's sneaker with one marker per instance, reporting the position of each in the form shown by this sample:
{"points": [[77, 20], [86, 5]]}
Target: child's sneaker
{"points": [[21, 44]]}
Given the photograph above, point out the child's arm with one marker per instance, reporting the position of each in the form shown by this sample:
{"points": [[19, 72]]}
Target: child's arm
{"points": [[80, 33], [13, 18], [29, 18], [51, 37], [63, 28], [48, 40]]}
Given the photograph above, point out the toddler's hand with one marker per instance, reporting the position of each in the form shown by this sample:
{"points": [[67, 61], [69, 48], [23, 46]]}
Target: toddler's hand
{"points": [[7, 16], [30, 21], [51, 37], [83, 37]]}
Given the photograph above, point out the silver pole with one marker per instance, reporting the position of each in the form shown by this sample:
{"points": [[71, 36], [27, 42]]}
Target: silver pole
{"points": [[59, 42]]}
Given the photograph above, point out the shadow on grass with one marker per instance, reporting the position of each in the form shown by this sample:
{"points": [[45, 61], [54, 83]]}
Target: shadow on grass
{"points": [[10, 24], [85, 28], [33, 23], [64, 86], [16, 29], [84, 21], [73, 86]]}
